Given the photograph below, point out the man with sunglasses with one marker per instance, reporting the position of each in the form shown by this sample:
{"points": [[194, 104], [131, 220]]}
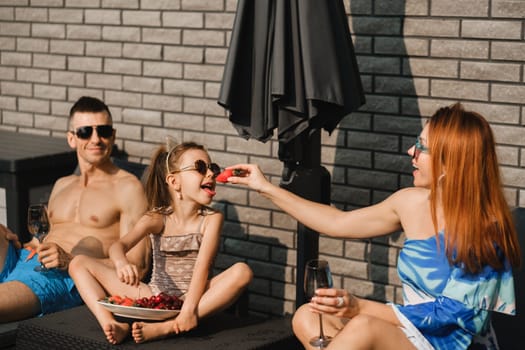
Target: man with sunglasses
{"points": [[87, 212]]}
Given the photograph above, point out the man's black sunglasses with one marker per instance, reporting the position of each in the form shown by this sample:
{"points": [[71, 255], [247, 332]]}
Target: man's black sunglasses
{"points": [[85, 132], [202, 168]]}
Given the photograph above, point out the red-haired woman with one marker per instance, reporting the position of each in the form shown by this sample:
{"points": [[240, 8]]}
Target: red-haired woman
{"points": [[456, 262]]}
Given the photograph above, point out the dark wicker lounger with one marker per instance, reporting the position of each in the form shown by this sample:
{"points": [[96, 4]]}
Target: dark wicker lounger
{"points": [[78, 329]]}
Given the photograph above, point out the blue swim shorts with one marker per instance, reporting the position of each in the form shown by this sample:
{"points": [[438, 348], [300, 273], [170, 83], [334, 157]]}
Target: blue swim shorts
{"points": [[55, 289]]}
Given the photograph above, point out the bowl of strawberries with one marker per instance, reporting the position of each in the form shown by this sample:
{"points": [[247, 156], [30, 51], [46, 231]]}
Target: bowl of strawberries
{"points": [[156, 307]]}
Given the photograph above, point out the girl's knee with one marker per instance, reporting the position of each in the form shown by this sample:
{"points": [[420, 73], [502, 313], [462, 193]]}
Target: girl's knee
{"points": [[242, 273], [76, 264]]}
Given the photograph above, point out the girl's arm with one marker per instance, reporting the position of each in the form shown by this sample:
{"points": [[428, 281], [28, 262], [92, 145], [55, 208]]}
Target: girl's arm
{"points": [[126, 271], [133, 204], [188, 318], [376, 220]]}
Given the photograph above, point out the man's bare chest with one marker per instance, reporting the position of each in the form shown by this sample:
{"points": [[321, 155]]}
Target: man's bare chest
{"points": [[91, 207]]}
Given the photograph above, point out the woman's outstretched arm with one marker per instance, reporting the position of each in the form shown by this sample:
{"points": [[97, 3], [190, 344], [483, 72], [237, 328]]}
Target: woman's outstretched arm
{"points": [[376, 220]]}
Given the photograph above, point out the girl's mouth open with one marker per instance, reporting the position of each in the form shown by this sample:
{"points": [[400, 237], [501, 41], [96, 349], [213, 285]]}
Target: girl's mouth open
{"points": [[209, 188]]}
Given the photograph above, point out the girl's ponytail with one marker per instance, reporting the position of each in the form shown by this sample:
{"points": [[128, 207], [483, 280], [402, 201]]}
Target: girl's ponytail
{"points": [[157, 191]]}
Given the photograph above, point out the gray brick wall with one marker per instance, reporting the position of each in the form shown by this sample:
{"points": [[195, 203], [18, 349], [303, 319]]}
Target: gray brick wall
{"points": [[159, 63]]}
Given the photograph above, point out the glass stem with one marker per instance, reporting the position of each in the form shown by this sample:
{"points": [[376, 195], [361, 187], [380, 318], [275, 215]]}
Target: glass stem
{"points": [[321, 332]]}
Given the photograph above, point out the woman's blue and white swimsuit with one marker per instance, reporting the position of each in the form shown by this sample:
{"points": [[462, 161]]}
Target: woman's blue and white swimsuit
{"points": [[444, 306]]}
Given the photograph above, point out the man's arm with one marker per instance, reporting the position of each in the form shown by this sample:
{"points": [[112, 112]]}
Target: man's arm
{"points": [[55, 255], [10, 235], [133, 206]]}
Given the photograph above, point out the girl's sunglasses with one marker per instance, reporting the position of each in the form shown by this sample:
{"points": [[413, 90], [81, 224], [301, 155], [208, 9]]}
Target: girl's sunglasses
{"points": [[85, 132], [202, 168]]}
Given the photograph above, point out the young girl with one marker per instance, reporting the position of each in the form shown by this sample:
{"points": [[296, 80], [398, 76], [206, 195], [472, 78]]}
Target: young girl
{"points": [[184, 235]]}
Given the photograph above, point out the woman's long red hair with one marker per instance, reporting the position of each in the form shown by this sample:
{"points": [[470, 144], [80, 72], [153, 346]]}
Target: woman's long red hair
{"points": [[477, 217]]}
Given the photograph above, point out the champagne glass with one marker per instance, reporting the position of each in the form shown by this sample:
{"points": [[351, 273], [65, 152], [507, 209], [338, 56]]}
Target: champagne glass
{"points": [[317, 275], [38, 226]]}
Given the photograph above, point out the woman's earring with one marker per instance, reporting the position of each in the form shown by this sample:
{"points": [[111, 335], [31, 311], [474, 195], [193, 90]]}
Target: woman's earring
{"points": [[179, 195], [441, 177]]}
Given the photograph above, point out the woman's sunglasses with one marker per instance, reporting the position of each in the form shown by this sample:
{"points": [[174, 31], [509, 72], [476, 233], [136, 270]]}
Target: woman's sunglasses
{"points": [[85, 132], [419, 148], [202, 168]]}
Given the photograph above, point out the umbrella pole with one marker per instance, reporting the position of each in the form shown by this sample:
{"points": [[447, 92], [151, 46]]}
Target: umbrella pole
{"points": [[307, 179]]}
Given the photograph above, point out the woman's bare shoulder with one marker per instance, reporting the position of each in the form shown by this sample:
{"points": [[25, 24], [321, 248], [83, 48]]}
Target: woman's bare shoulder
{"points": [[412, 192], [410, 196]]}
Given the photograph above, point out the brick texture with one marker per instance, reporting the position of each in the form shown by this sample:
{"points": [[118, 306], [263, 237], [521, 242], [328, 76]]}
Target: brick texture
{"points": [[159, 65]]}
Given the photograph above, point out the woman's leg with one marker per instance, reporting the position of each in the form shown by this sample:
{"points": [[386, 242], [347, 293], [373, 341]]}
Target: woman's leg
{"points": [[368, 332], [305, 325], [94, 278], [221, 292], [360, 332]]}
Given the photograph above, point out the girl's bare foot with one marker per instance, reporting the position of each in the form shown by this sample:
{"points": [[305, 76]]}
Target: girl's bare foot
{"points": [[142, 331], [116, 332]]}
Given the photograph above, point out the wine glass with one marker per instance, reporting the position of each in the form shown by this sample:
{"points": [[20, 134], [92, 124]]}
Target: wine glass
{"points": [[317, 275], [38, 226]]}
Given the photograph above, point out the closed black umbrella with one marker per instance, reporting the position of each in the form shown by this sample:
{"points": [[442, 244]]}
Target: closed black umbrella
{"points": [[291, 66]]}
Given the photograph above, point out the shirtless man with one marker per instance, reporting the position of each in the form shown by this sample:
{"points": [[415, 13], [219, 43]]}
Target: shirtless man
{"points": [[87, 212]]}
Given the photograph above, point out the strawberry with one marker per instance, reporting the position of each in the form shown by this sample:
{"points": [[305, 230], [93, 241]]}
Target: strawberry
{"points": [[223, 177], [127, 302], [115, 299]]}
